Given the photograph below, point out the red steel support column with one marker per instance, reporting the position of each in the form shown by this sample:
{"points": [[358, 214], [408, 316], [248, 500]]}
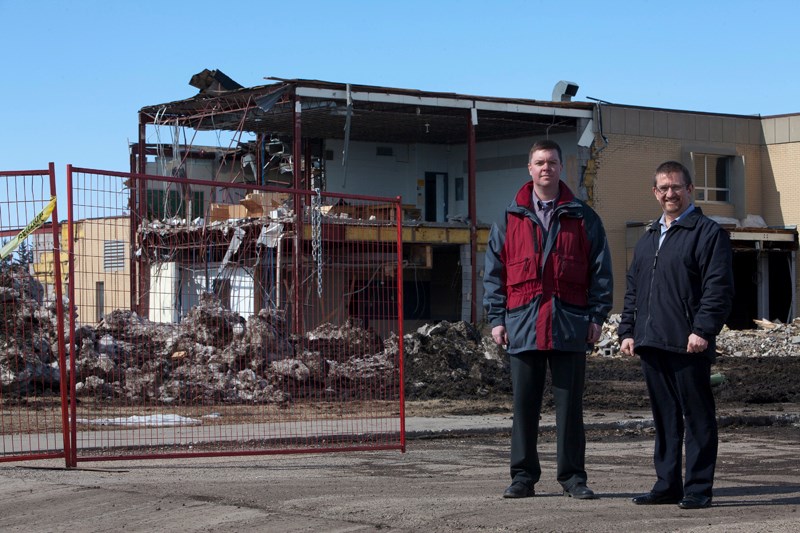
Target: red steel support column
{"points": [[473, 217], [299, 202], [399, 218]]}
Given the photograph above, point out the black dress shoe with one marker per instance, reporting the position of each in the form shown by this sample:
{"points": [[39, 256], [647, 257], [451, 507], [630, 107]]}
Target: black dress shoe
{"points": [[655, 498], [518, 489], [695, 501], [580, 492]]}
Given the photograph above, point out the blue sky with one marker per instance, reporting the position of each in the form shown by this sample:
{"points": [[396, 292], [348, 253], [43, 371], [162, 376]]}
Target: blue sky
{"points": [[75, 73]]}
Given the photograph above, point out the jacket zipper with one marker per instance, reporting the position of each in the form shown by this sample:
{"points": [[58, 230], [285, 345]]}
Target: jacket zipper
{"points": [[650, 293]]}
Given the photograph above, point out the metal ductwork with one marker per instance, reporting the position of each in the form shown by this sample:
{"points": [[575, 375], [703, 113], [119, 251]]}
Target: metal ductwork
{"points": [[564, 91]]}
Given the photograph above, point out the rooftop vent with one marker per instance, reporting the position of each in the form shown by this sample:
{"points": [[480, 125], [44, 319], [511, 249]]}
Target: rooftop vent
{"points": [[564, 91]]}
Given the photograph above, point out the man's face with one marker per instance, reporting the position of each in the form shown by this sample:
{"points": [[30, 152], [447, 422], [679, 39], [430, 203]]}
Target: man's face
{"points": [[545, 169], [673, 195]]}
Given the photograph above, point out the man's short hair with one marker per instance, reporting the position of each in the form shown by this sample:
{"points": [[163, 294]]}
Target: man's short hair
{"points": [[669, 167], [545, 145]]}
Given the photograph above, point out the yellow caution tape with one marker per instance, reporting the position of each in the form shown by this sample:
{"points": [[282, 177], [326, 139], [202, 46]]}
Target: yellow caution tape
{"points": [[32, 226]]}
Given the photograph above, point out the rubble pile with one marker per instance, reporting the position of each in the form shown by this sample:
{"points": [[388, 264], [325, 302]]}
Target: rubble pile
{"points": [[352, 356], [769, 339], [608, 344], [347, 340], [216, 356], [28, 333], [453, 361], [212, 355]]}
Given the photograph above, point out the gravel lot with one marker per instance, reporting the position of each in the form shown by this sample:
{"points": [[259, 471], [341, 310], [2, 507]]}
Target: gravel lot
{"points": [[439, 484]]}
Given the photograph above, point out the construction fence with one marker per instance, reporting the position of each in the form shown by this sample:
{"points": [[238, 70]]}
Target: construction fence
{"points": [[199, 318]]}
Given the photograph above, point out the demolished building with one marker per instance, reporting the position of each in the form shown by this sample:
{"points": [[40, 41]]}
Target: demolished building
{"points": [[452, 160], [456, 159]]}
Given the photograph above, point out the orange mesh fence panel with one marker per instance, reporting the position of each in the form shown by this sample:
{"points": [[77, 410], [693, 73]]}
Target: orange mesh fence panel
{"points": [[33, 417], [266, 322]]}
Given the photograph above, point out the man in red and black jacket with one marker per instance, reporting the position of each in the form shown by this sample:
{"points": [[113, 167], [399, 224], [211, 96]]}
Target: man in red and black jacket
{"points": [[547, 291]]}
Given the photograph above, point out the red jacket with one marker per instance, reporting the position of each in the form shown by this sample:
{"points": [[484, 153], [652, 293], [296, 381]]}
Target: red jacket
{"points": [[546, 287]]}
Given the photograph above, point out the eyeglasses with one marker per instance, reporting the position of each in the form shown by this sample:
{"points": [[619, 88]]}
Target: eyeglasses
{"points": [[664, 189]]}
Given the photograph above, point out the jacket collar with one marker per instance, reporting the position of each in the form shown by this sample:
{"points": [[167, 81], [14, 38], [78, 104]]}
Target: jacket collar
{"points": [[687, 220], [524, 197]]}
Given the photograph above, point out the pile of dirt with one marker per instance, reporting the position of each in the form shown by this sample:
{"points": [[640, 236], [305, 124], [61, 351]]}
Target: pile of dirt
{"points": [[454, 361]]}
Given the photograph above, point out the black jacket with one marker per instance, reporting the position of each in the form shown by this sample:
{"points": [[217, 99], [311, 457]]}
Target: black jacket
{"points": [[684, 287]]}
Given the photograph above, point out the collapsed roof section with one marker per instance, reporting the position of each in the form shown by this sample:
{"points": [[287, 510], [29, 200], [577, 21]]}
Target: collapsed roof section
{"points": [[378, 114], [311, 112]]}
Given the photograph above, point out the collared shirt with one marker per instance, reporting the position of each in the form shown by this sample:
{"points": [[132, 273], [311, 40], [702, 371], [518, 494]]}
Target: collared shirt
{"points": [[544, 210], [662, 223]]}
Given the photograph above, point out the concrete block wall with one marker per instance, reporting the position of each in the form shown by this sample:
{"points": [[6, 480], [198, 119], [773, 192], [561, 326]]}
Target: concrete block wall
{"points": [[638, 141], [781, 170], [782, 176], [623, 193]]}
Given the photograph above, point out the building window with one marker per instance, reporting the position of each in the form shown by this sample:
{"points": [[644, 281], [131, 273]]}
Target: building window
{"points": [[113, 256], [161, 205], [100, 300], [712, 177]]}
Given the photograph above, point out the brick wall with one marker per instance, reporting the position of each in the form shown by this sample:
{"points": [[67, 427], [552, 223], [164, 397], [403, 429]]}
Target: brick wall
{"points": [[641, 139]]}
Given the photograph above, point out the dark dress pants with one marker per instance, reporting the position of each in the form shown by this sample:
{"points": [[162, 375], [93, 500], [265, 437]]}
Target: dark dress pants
{"points": [[683, 404], [528, 371]]}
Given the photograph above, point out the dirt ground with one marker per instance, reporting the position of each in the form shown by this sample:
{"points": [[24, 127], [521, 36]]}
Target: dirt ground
{"points": [[615, 384], [439, 484]]}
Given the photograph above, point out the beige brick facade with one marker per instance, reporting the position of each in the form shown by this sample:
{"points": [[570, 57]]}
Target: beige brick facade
{"points": [[101, 285], [638, 140], [781, 193]]}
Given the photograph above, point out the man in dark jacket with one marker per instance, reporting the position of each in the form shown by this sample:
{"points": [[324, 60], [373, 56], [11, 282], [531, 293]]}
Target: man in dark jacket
{"points": [[679, 293], [547, 291]]}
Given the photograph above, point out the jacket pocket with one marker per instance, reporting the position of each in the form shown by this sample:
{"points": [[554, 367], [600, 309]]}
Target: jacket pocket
{"points": [[521, 279], [570, 327], [520, 271], [521, 326], [687, 313], [572, 270], [571, 281]]}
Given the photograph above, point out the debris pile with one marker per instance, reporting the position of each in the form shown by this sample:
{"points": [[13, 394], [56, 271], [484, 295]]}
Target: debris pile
{"points": [[212, 355], [453, 361], [769, 339], [608, 344], [28, 333], [216, 356]]}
